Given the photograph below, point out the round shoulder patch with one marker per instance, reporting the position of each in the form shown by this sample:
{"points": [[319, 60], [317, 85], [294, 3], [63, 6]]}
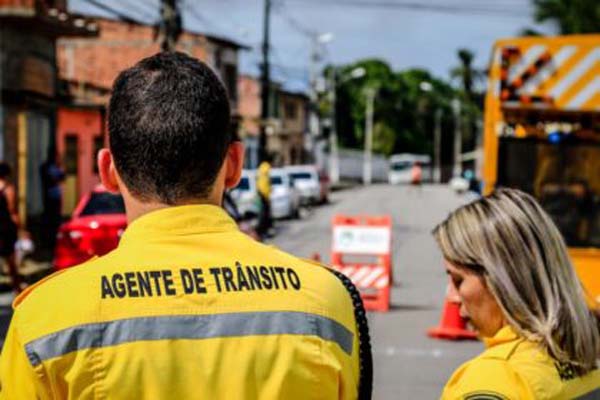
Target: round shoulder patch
{"points": [[484, 395]]}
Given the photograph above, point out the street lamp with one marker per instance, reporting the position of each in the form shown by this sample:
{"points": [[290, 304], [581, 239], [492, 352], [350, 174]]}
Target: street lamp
{"points": [[325, 37], [334, 168], [456, 106], [427, 87], [370, 93]]}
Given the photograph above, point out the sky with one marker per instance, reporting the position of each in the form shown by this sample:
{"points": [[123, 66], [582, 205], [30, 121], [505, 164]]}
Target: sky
{"points": [[405, 33]]}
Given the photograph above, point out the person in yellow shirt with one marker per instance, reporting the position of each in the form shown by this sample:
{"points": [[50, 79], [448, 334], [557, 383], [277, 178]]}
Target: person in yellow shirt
{"points": [[510, 267], [263, 184], [187, 306]]}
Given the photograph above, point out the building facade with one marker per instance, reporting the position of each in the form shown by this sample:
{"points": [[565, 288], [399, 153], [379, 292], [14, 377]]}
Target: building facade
{"points": [[88, 68], [286, 127], [29, 90]]}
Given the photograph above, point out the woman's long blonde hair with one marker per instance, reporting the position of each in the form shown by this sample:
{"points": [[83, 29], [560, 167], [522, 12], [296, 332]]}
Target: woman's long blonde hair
{"points": [[526, 267]]}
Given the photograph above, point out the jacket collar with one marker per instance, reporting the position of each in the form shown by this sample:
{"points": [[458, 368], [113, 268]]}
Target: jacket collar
{"points": [[180, 220], [504, 335]]}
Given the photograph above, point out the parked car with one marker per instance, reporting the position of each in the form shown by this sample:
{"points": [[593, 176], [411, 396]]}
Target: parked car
{"points": [[247, 222], [306, 180], [94, 228], [245, 194], [285, 198], [98, 222]]}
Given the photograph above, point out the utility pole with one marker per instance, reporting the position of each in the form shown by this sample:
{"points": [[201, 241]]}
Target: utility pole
{"points": [[170, 26], [456, 170], [437, 146], [265, 84], [334, 168], [367, 167], [313, 118]]}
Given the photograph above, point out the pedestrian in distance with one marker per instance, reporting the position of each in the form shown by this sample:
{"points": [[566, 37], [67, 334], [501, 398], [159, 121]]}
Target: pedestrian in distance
{"points": [[510, 267], [416, 176], [52, 176], [263, 184], [187, 306], [9, 224]]}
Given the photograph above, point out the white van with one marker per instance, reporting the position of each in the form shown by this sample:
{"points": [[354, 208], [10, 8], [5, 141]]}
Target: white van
{"points": [[401, 165]]}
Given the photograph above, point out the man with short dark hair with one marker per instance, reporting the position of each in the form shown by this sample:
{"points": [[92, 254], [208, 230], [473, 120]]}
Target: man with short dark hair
{"points": [[187, 306]]}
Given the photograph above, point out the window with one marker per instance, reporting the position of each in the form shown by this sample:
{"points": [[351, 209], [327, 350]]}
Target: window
{"points": [[274, 102], [291, 110], [563, 177], [244, 184], [401, 165], [276, 180], [298, 176], [230, 79], [71, 153], [104, 203]]}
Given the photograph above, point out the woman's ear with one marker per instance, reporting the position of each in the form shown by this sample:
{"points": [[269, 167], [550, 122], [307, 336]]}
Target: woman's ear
{"points": [[107, 171]]}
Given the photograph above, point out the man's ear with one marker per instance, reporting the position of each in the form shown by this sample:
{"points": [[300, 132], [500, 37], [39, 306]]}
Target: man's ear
{"points": [[107, 170], [234, 162]]}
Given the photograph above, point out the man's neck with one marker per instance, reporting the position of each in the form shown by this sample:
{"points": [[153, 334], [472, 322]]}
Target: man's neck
{"points": [[136, 209]]}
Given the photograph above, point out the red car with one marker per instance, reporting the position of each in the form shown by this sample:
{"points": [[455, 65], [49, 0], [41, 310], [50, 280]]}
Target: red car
{"points": [[94, 229], [98, 223]]}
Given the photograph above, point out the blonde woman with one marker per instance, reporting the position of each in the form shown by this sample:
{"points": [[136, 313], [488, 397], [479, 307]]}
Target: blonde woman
{"points": [[517, 286]]}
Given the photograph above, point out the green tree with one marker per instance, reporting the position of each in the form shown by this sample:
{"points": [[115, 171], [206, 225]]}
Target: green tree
{"points": [[403, 112], [570, 16], [465, 72], [471, 100], [384, 138]]}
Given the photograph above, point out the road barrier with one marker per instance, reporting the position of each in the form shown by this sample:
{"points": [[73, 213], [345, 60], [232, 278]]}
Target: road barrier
{"points": [[452, 325], [361, 250]]}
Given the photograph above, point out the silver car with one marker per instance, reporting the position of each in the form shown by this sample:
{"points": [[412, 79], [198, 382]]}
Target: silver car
{"points": [[285, 199], [306, 181]]}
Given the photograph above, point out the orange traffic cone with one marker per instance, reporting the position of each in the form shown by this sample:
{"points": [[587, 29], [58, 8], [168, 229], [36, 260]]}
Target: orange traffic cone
{"points": [[452, 326]]}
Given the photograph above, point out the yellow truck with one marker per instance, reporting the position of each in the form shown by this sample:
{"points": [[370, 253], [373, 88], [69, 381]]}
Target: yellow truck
{"points": [[542, 135]]}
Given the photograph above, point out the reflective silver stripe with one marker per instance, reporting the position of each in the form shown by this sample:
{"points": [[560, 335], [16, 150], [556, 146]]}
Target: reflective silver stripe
{"points": [[112, 333], [593, 395]]}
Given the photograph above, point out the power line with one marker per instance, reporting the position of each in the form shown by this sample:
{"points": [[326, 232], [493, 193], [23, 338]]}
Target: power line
{"points": [[113, 11], [294, 23], [415, 6], [144, 8], [193, 11], [191, 7]]}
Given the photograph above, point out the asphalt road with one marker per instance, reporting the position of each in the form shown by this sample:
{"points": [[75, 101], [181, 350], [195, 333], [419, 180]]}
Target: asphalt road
{"points": [[408, 364]]}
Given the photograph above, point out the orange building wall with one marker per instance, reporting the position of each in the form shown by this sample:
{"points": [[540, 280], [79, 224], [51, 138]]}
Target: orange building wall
{"points": [[86, 125], [249, 105]]}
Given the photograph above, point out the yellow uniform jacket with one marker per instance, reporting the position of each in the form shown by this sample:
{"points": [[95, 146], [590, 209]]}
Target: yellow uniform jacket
{"points": [[187, 307], [516, 369]]}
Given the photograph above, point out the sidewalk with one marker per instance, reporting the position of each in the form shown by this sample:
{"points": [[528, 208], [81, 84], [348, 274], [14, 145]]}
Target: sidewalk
{"points": [[31, 271]]}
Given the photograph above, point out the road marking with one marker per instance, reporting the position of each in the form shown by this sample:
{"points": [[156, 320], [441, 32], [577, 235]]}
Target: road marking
{"points": [[392, 351]]}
